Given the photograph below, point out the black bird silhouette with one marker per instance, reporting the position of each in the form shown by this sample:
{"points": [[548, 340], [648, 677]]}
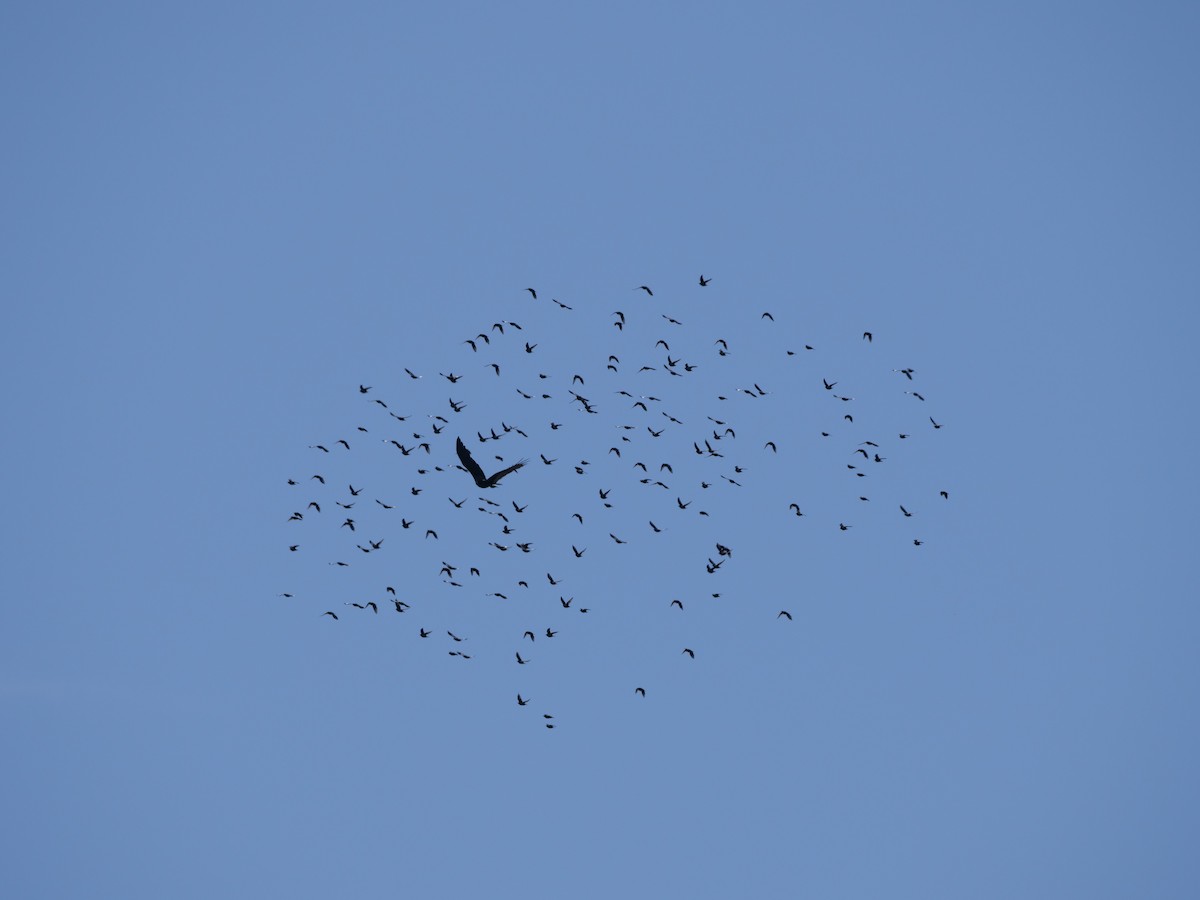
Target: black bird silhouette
{"points": [[907, 514], [828, 384], [689, 652], [703, 283], [642, 287], [332, 615], [521, 702], [867, 336], [784, 612], [533, 292], [472, 467], [521, 661], [641, 691]]}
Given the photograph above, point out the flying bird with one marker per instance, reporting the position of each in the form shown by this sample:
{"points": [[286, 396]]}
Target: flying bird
{"points": [[703, 283], [472, 467], [642, 287]]}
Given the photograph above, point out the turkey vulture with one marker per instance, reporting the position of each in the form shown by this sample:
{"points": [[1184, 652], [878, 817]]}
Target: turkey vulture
{"points": [[471, 466]]}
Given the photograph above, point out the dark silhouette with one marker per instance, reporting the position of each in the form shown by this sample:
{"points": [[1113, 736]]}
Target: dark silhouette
{"points": [[471, 466]]}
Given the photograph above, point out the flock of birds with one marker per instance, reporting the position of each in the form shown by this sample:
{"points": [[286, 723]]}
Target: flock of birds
{"points": [[635, 434]]}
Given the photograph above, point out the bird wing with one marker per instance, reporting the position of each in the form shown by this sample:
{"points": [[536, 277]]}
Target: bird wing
{"points": [[495, 479], [464, 456]]}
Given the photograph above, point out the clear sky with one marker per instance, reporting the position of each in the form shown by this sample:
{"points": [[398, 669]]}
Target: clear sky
{"points": [[219, 221]]}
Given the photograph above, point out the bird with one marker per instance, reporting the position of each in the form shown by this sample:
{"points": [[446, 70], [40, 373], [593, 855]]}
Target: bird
{"points": [[532, 292], [641, 691], [646, 289], [785, 613], [944, 494], [796, 507], [521, 702], [689, 652], [704, 281], [332, 615], [907, 514], [521, 661], [935, 424], [867, 336], [828, 384], [678, 603], [476, 472]]}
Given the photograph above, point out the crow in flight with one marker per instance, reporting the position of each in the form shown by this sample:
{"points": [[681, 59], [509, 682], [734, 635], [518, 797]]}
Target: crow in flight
{"points": [[472, 467]]}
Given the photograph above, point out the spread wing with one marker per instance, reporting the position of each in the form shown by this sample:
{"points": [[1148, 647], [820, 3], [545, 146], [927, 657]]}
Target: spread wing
{"points": [[464, 456], [495, 479]]}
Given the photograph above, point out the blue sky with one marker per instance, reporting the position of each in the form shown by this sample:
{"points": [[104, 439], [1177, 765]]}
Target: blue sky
{"points": [[219, 222]]}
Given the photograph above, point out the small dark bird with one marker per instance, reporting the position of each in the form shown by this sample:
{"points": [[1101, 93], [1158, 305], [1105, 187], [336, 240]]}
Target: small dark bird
{"points": [[430, 531], [641, 691], [412, 374], [907, 514], [917, 543], [528, 634], [565, 603], [944, 495], [532, 292], [770, 444], [935, 424], [521, 702], [425, 633], [842, 527], [796, 507], [767, 315], [577, 551], [550, 578], [678, 603], [703, 283], [657, 530], [784, 612], [550, 633], [617, 539], [867, 336], [332, 615], [646, 289], [521, 661], [689, 652], [828, 384]]}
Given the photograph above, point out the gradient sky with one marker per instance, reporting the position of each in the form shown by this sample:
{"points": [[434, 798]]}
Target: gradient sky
{"points": [[220, 221]]}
